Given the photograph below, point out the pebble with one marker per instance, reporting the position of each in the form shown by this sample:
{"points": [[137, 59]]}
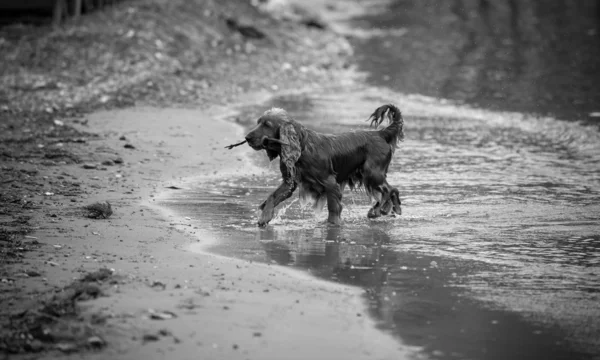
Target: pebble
{"points": [[150, 337], [95, 341]]}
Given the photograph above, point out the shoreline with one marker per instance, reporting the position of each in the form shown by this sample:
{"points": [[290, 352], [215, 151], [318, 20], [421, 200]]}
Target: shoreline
{"points": [[260, 283], [211, 306]]}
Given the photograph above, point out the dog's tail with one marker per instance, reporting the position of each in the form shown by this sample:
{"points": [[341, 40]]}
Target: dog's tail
{"points": [[394, 132]]}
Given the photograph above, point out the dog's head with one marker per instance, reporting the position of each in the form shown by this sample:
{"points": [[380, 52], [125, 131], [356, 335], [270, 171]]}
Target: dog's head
{"points": [[276, 133]]}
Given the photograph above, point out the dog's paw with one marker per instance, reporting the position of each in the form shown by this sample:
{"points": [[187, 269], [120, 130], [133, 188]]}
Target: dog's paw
{"points": [[374, 213], [266, 216]]}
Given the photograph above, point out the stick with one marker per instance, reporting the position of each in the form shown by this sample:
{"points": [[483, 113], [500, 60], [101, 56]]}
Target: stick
{"points": [[234, 145]]}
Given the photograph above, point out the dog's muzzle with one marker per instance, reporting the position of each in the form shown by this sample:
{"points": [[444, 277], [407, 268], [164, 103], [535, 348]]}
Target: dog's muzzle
{"points": [[256, 144]]}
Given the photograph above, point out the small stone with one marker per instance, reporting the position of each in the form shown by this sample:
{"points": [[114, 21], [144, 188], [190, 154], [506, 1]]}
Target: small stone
{"points": [[66, 347], [128, 146], [165, 332], [162, 315], [158, 284], [89, 166], [150, 337], [108, 163], [35, 346], [32, 273], [95, 341]]}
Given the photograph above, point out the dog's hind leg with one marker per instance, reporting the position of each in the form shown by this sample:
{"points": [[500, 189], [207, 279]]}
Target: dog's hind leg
{"points": [[392, 204], [381, 206], [376, 186], [395, 198]]}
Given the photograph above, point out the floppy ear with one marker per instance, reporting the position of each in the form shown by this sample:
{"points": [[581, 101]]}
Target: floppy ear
{"points": [[290, 147], [272, 154]]}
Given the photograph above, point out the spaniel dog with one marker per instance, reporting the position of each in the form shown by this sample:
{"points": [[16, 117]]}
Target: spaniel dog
{"points": [[322, 165]]}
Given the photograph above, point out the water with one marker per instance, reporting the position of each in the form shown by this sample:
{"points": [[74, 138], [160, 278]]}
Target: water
{"points": [[536, 56], [499, 211], [497, 253]]}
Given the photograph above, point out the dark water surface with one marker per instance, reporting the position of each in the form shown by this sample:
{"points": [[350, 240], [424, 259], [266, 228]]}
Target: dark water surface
{"points": [[497, 253], [537, 56]]}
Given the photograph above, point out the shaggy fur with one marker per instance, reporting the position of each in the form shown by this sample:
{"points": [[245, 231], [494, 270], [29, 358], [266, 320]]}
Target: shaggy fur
{"points": [[322, 165]]}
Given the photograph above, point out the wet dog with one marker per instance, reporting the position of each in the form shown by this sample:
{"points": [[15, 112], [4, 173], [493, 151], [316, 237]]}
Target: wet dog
{"points": [[322, 164]]}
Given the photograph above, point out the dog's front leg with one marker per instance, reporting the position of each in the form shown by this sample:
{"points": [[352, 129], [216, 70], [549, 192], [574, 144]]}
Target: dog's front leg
{"points": [[334, 200], [284, 191]]}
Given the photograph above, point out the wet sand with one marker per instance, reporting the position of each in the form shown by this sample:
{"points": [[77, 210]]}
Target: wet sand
{"points": [[225, 308]]}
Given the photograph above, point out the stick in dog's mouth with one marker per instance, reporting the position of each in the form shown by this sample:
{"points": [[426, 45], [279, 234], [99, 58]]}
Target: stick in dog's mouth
{"points": [[234, 145], [277, 141]]}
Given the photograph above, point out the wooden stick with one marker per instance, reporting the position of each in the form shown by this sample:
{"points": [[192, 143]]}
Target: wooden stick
{"points": [[234, 145]]}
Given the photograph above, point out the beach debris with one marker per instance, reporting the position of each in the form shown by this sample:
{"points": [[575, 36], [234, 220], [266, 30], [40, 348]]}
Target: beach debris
{"points": [[161, 315], [150, 338], [165, 332], [67, 347], [95, 342], [248, 31], [32, 273], [98, 275], [188, 304], [98, 209], [158, 284]]}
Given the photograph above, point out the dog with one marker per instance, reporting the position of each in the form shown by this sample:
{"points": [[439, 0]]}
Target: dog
{"points": [[322, 165]]}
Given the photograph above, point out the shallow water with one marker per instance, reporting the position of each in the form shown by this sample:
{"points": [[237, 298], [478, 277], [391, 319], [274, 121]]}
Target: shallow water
{"points": [[497, 252], [500, 226]]}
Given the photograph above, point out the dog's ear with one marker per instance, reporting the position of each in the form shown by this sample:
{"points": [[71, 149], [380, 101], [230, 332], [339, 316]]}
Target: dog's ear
{"points": [[290, 147], [272, 154]]}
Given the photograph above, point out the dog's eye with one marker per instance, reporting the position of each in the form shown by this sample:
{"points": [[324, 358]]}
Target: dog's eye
{"points": [[267, 123]]}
